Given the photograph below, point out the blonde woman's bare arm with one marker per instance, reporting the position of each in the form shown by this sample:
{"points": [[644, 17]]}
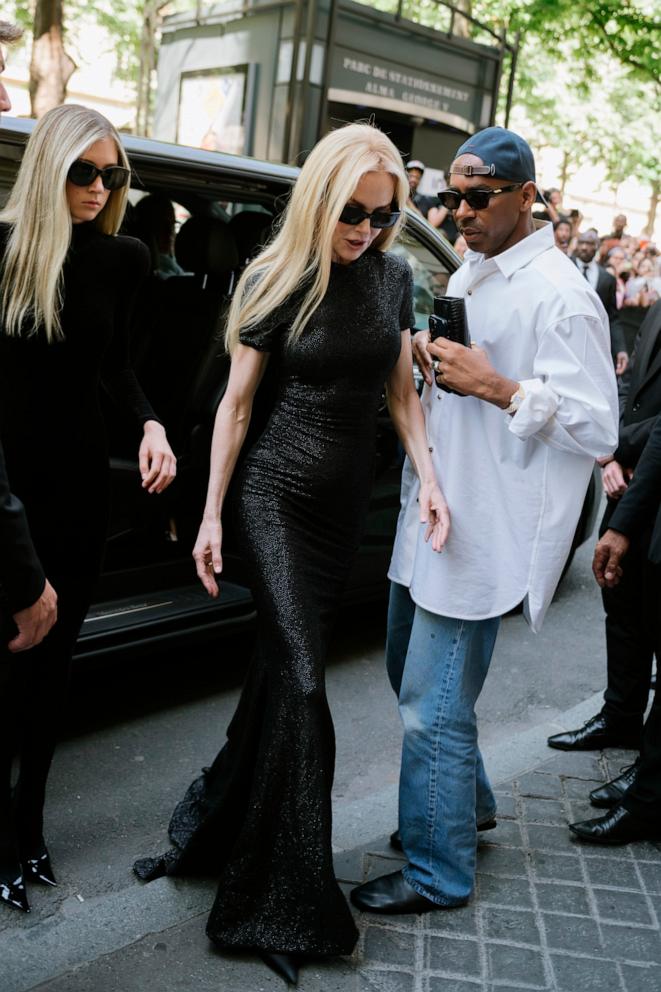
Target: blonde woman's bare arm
{"points": [[231, 425]]}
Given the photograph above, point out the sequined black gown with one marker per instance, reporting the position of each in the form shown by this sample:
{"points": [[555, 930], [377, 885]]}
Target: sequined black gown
{"points": [[260, 817]]}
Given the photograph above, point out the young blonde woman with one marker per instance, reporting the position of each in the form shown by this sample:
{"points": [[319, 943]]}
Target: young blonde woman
{"points": [[328, 304], [67, 287]]}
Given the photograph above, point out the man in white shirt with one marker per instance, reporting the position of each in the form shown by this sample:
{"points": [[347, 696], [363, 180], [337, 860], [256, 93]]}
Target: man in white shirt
{"points": [[514, 455], [604, 285]]}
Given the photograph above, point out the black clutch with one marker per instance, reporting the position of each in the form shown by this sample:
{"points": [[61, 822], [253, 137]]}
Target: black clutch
{"points": [[449, 321]]}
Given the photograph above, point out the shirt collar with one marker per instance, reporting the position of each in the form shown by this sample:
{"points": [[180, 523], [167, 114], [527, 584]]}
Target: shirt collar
{"points": [[519, 254]]}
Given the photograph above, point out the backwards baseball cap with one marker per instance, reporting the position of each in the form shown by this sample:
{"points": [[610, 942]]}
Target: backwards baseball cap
{"points": [[415, 164], [506, 155]]}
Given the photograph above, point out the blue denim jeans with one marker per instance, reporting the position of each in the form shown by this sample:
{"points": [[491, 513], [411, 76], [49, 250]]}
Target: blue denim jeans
{"points": [[437, 666]]}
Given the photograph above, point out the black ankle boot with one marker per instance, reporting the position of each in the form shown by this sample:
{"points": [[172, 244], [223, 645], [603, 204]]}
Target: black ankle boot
{"points": [[12, 885], [37, 866], [285, 965], [12, 893]]}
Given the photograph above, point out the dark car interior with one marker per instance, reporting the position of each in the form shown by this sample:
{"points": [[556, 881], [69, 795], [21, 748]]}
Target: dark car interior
{"points": [[179, 358]]}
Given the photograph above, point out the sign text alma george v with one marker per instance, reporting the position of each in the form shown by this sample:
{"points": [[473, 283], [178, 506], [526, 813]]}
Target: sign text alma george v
{"points": [[387, 85]]}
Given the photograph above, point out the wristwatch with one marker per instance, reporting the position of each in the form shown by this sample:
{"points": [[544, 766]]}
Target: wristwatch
{"points": [[516, 399]]}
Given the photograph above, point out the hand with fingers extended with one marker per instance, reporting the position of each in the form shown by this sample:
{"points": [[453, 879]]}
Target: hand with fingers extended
{"points": [[158, 465], [35, 621], [608, 554], [207, 554], [434, 512]]}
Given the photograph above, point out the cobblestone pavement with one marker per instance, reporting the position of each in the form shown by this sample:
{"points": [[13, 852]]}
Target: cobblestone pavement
{"points": [[549, 912]]}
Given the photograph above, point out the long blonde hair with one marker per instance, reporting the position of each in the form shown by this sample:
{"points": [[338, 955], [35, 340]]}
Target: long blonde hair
{"points": [[301, 251], [40, 219]]}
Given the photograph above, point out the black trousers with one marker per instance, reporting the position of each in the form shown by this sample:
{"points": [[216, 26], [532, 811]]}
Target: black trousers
{"points": [[643, 799], [33, 694], [630, 615]]}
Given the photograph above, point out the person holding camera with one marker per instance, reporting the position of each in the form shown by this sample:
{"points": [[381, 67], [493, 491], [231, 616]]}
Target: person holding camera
{"points": [[533, 403]]}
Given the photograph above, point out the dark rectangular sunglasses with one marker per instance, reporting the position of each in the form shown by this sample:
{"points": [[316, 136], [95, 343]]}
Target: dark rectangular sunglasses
{"points": [[352, 214], [83, 173], [478, 199]]}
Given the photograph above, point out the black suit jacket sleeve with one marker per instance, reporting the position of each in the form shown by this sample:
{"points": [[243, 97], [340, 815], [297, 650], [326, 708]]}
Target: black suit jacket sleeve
{"points": [[632, 441], [618, 344], [639, 506], [22, 578]]}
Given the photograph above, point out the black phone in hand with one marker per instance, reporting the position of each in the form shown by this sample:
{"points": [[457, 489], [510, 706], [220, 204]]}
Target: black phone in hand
{"points": [[449, 321]]}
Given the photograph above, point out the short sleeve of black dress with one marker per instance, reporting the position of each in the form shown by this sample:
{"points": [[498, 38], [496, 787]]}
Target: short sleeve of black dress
{"points": [[406, 311], [267, 334]]}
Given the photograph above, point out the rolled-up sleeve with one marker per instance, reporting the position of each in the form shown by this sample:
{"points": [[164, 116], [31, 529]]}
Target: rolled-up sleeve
{"points": [[571, 401]]}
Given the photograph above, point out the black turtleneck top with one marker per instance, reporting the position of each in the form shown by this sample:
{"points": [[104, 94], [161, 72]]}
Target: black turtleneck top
{"points": [[51, 425]]}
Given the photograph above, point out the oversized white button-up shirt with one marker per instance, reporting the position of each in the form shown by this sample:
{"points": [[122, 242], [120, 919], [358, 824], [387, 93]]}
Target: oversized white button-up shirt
{"points": [[515, 485]]}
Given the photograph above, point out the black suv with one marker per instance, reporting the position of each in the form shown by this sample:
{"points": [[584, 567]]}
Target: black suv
{"points": [[224, 207]]}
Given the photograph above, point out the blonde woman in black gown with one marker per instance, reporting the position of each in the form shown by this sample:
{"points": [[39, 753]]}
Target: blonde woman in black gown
{"points": [[332, 308], [68, 283]]}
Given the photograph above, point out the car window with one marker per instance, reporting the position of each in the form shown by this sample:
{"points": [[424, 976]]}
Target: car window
{"points": [[430, 275]]}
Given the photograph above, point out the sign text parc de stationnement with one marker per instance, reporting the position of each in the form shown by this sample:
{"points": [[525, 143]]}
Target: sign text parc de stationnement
{"points": [[355, 79]]}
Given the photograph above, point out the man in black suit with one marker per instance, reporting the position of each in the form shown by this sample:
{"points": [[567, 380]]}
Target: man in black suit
{"points": [[29, 599], [636, 815], [629, 643], [603, 284], [26, 597]]}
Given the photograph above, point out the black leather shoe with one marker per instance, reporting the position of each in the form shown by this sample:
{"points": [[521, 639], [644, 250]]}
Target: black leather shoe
{"points": [[593, 736], [618, 826], [38, 868], [396, 840], [611, 794], [392, 894], [285, 965]]}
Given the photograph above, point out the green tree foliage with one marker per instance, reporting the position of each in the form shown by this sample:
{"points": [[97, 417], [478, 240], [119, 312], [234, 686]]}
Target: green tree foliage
{"points": [[628, 30]]}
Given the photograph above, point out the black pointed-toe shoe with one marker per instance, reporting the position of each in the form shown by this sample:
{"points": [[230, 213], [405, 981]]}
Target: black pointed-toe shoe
{"points": [[396, 839], [284, 965], [149, 869], [14, 894], [611, 794], [618, 826], [595, 735], [38, 868], [392, 894]]}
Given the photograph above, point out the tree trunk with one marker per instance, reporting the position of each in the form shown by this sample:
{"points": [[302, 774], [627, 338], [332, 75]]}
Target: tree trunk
{"points": [[150, 24], [50, 66], [462, 27], [651, 213], [564, 172]]}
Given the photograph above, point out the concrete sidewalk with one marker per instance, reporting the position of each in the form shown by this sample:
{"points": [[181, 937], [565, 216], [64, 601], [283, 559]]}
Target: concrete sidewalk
{"points": [[549, 913]]}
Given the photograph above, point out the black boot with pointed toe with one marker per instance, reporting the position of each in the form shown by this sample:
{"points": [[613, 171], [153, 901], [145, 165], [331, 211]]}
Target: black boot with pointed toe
{"points": [[12, 885], [284, 965], [13, 893], [37, 867]]}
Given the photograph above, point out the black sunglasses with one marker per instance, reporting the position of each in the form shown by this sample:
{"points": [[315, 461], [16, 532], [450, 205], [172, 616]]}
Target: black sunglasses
{"points": [[478, 199], [353, 214], [83, 173]]}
